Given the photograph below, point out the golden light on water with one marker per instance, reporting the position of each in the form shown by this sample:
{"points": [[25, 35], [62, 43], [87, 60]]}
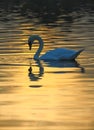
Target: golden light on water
{"points": [[43, 95], [57, 99], [46, 95], [45, 105]]}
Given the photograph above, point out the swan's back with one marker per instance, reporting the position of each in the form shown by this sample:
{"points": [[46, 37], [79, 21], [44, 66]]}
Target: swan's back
{"points": [[61, 54]]}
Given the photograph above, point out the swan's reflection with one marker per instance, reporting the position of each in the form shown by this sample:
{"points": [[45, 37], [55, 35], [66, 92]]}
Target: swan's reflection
{"points": [[66, 64], [57, 64], [33, 76]]}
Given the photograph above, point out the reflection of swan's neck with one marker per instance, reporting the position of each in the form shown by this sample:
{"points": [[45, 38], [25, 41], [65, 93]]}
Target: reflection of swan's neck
{"points": [[36, 56], [35, 77]]}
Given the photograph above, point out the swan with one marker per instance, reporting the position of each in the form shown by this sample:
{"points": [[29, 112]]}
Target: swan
{"points": [[55, 54]]}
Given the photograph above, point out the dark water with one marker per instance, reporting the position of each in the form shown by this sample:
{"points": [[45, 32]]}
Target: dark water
{"points": [[40, 95]]}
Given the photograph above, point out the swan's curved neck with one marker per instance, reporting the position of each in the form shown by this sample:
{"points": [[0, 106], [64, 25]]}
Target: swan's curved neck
{"points": [[36, 56], [32, 39]]}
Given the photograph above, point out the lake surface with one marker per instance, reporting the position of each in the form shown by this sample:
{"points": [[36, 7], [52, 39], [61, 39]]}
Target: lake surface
{"points": [[38, 95]]}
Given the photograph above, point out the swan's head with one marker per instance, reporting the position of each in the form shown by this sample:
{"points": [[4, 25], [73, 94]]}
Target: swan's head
{"points": [[31, 40]]}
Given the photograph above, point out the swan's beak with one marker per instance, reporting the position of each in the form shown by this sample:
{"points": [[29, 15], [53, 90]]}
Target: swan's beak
{"points": [[30, 46], [30, 43]]}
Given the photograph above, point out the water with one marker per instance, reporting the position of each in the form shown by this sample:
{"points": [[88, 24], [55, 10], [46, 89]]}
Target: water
{"points": [[42, 95]]}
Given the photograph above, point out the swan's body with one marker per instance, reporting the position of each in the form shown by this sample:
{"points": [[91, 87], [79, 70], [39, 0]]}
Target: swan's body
{"points": [[56, 54]]}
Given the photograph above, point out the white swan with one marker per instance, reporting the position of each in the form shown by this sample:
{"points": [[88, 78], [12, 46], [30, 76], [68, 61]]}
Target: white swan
{"points": [[56, 54]]}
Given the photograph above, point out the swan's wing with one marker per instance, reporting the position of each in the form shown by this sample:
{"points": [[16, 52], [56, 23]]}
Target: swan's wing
{"points": [[50, 55], [63, 54], [69, 54], [66, 54], [58, 54]]}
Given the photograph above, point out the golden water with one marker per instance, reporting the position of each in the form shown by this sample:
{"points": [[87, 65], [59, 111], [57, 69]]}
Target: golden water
{"points": [[40, 95]]}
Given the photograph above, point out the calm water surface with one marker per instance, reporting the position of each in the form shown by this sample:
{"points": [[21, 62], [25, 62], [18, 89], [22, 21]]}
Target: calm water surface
{"points": [[37, 95]]}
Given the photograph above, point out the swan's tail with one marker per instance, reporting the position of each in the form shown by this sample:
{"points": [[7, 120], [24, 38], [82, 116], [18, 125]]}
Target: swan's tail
{"points": [[78, 52]]}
